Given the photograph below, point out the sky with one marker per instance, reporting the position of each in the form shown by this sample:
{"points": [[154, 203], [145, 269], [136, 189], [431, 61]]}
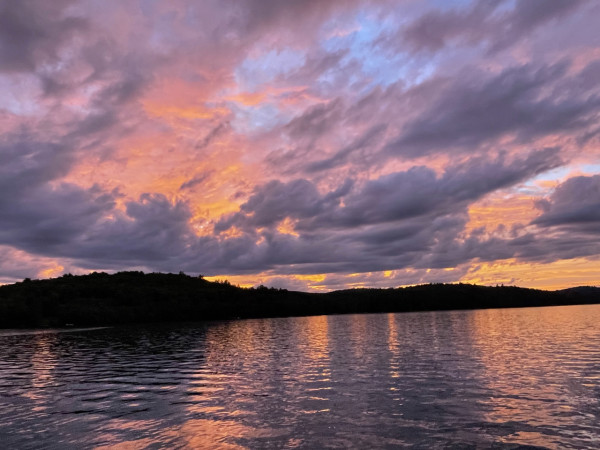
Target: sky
{"points": [[302, 144]]}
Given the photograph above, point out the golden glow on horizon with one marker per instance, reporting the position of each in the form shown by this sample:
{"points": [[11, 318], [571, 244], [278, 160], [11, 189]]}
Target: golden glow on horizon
{"points": [[549, 276], [52, 272], [316, 278], [555, 275]]}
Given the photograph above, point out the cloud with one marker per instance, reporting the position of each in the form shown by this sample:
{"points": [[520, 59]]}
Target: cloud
{"points": [[49, 219], [366, 140], [567, 228], [150, 232], [212, 135], [315, 121], [26, 162], [29, 266], [45, 216], [85, 225], [488, 23], [574, 205], [274, 201], [197, 180], [419, 191], [396, 221], [33, 32], [474, 112], [476, 109]]}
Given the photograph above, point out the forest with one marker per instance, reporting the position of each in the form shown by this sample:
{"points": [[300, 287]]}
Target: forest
{"points": [[135, 297]]}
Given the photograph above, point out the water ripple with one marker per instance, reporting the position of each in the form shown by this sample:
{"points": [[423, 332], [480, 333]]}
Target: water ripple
{"points": [[493, 378]]}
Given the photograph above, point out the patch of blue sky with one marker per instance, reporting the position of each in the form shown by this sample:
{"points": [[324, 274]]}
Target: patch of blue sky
{"points": [[592, 169], [561, 173], [446, 5], [458, 5], [532, 186], [19, 96], [506, 5], [380, 66], [253, 119], [257, 71]]}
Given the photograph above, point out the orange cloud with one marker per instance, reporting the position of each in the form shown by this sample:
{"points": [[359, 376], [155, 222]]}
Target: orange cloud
{"points": [[501, 210], [248, 98], [52, 271], [286, 226]]}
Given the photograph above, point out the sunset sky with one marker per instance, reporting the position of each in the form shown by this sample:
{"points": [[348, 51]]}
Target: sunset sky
{"points": [[302, 144]]}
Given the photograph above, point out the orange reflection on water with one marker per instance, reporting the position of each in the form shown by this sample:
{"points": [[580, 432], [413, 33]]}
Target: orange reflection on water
{"points": [[314, 368], [528, 364], [136, 444], [193, 433], [393, 347], [317, 337], [43, 362], [205, 433], [392, 334], [125, 425], [358, 334]]}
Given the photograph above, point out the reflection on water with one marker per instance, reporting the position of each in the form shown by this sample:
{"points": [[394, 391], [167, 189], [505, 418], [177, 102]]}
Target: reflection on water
{"points": [[480, 378], [550, 386]]}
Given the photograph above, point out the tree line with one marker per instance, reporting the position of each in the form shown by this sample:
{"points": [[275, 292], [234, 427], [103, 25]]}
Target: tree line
{"points": [[136, 297]]}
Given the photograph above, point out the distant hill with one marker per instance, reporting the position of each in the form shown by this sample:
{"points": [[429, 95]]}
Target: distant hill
{"points": [[584, 291], [135, 297]]}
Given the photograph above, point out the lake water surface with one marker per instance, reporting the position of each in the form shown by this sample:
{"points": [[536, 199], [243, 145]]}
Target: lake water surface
{"points": [[489, 378]]}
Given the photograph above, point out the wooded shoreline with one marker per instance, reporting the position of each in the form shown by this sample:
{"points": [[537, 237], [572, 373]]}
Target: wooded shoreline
{"points": [[134, 297]]}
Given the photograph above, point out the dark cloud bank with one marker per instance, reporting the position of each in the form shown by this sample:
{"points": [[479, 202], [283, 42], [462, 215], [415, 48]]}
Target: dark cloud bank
{"points": [[413, 218]]}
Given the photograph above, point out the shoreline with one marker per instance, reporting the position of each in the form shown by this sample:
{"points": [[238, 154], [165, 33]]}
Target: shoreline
{"points": [[100, 299]]}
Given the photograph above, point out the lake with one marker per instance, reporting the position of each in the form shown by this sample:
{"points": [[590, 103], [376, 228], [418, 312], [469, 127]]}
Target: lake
{"points": [[470, 379]]}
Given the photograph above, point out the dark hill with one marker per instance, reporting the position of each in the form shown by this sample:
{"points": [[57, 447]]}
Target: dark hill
{"points": [[135, 297]]}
